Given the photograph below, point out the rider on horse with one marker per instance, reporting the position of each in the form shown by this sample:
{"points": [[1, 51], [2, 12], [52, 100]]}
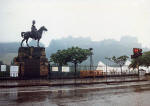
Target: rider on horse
{"points": [[34, 30], [34, 34]]}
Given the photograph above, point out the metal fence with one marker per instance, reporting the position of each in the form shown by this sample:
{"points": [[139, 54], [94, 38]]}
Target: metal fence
{"points": [[83, 71], [83, 75], [5, 73]]}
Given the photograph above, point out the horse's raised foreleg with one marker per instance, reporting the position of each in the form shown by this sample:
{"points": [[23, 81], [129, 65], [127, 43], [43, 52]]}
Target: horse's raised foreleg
{"points": [[22, 41], [27, 42]]}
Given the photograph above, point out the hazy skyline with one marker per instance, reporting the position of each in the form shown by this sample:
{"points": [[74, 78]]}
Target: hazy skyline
{"points": [[98, 19]]}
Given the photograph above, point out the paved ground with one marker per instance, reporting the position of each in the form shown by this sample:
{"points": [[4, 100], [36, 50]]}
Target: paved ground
{"points": [[131, 94], [103, 94], [15, 83]]}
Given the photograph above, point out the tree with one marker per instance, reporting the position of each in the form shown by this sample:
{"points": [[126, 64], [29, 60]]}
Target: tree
{"points": [[143, 60], [59, 57], [73, 54], [119, 60]]}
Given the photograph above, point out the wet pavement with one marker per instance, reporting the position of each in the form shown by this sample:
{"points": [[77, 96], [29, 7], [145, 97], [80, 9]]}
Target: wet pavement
{"points": [[52, 82], [123, 94]]}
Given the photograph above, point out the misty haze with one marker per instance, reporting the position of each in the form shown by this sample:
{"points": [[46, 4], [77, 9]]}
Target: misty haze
{"points": [[74, 52]]}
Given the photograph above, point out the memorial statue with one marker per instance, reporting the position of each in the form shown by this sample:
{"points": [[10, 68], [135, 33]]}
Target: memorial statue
{"points": [[34, 34], [34, 30]]}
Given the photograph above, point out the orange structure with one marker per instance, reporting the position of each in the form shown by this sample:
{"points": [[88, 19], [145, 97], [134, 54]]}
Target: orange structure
{"points": [[91, 73]]}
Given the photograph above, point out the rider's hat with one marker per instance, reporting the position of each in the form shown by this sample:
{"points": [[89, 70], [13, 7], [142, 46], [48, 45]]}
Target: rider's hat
{"points": [[33, 22]]}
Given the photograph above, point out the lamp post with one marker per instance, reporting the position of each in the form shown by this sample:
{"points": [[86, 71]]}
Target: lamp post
{"points": [[106, 69], [49, 69], [106, 72], [91, 60], [75, 65]]}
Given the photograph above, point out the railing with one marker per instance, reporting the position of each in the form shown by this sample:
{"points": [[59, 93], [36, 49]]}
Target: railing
{"points": [[82, 76], [83, 71]]}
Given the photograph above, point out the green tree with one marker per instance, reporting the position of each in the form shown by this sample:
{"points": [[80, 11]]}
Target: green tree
{"points": [[119, 60], [73, 54], [60, 57], [143, 60]]}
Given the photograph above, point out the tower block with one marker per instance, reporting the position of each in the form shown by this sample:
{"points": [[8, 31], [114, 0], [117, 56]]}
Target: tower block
{"points": [[32, 62]]}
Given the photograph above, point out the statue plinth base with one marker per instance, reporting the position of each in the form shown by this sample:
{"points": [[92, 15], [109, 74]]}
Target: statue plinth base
{"points": [[32, 62]]}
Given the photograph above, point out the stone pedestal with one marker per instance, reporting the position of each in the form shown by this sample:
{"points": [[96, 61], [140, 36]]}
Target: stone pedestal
{"points": [[32, 62]]}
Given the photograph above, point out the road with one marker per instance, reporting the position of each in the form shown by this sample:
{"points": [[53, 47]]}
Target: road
{"points": [[124, 94]]}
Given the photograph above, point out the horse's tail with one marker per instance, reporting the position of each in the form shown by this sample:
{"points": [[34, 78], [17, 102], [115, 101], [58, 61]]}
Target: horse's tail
{"points": [[22, 34]]}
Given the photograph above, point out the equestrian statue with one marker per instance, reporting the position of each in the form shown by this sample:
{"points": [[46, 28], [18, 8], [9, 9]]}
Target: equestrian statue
{"points": [[34, 34]]}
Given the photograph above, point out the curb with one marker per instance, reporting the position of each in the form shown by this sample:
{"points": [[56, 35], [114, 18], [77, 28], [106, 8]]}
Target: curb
{"points": [[63, 84]]}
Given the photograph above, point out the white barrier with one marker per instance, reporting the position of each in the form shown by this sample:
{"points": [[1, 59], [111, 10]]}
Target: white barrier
{"points": [[65, 69], [14, 71], [3, 67], [54, 68]]}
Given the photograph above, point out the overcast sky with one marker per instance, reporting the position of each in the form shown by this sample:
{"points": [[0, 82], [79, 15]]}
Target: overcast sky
{"points": [[98, 19]]}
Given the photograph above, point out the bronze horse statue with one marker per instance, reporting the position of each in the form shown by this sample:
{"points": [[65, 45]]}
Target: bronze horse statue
{"points": [[28, 34]]}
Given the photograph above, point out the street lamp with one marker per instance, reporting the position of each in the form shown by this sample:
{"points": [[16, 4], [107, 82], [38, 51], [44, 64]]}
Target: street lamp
{"points": [[75, 65], [106, 68], [91, 60], [49, 68]]}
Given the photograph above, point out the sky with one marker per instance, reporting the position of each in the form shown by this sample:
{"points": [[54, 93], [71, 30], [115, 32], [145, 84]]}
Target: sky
{"points": [[97, 19]]}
